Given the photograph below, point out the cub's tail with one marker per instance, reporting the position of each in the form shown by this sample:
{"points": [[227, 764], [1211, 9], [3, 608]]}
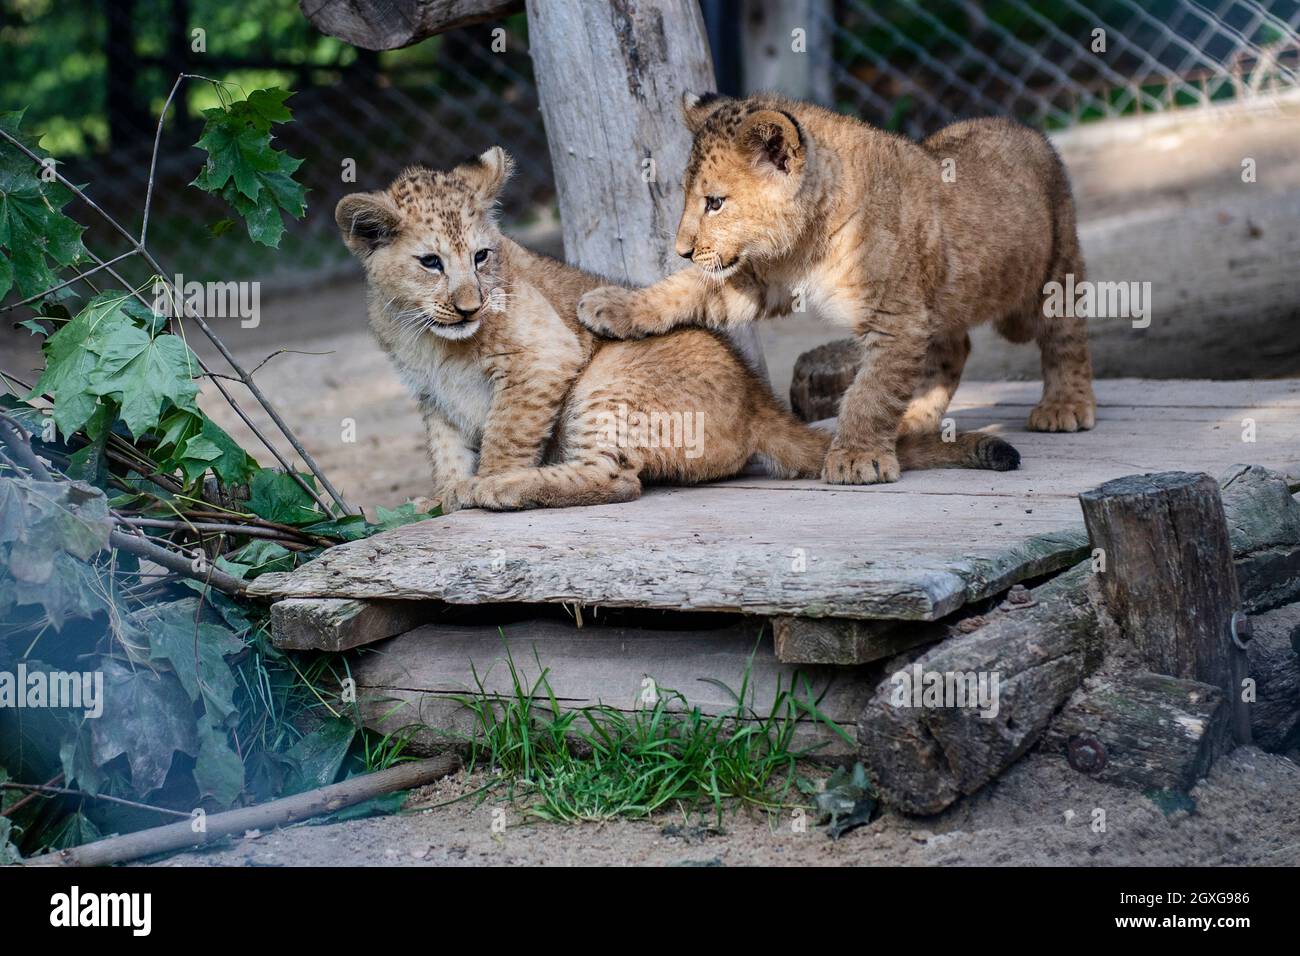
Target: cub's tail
{"points": [[967, 450]]}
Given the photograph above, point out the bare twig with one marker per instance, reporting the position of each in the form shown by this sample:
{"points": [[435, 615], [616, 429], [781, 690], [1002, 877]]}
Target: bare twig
{"points": [[213, 527], [37, 788], [19, 804], [11, 433], [282, 352], [153, 160], [77, 278], [147, 548]]}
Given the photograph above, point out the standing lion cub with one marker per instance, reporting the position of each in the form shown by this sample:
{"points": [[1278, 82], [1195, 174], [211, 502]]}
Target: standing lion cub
{"points": [[523, 406], [788, 205]]}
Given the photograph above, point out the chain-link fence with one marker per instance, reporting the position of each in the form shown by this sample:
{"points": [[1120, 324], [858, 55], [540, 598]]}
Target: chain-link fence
{"points": [[96, 75], [916, 65]]}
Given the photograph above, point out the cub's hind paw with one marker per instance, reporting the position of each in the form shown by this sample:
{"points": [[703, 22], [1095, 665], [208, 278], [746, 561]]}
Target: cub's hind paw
{"points": [[1063, 416], [860, 466]]}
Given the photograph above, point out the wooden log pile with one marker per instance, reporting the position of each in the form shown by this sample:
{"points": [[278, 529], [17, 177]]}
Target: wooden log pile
{"points": [[1127, 664]]}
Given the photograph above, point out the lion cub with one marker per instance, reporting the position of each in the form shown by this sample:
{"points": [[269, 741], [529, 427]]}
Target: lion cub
{"points": [[523, 406], [909, 245]]}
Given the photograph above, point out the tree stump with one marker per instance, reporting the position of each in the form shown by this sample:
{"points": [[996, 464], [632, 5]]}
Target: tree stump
{"points": [[1167, 578]]}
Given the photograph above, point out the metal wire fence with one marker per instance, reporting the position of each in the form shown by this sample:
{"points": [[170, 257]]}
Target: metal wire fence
{"points": [[910, 65], [916, 65]]}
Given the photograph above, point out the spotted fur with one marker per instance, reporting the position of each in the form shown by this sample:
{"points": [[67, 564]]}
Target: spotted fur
{"points": [[792, 206]]}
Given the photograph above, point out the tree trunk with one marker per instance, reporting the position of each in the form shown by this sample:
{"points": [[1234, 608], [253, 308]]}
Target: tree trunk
{"points": [[786, 47], [611, 78]]}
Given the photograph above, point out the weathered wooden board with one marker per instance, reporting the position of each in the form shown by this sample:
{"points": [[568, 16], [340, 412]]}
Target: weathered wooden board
{"points": [[917, 549], [418, 681], [338, 624]]}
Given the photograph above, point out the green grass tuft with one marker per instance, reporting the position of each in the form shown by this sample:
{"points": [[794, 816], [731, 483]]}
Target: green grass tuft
{"points": [[599, 762]]}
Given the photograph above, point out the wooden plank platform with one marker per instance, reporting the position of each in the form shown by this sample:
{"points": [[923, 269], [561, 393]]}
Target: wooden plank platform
{"points": [[914, 550]]}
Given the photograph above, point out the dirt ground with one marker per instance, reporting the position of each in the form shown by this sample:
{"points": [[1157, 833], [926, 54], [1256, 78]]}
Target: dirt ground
{"points": [[1041, 813]]}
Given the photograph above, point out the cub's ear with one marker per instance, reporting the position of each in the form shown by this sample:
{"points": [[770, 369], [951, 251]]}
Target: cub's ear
{"points": [[487, 172], [367, 221], [696, 108], [773, 140]]}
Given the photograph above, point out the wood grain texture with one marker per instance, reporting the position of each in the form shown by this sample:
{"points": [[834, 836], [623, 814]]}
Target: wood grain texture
{"points": [[1156, 732], [418, 680], [1169, 580], [390, 24], [611, 78], [923, 758], [917, 549], [1274, 656], [831, 640], [336, 624]]}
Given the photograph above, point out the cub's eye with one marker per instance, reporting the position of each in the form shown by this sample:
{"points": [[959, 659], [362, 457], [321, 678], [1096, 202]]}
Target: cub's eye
{"points": [[714, 203], [430, 262], [481, 256]]}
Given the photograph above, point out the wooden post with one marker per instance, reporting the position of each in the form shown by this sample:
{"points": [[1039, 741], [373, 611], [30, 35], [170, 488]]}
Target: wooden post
{"points": [[1168, 579], [611, 78], [786, 47]]}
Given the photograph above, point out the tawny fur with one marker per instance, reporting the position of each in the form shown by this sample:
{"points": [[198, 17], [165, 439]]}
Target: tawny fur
{"points": [[792, 206], [518, 397]]}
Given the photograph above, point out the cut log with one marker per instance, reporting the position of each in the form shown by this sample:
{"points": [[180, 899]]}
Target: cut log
{"points": [[336, 624], [1274, 665], [822, 376], [390, 24], [611, 79], [924, 757], [1168, 578], [1142, 730], [832, 640], [417, 683]]}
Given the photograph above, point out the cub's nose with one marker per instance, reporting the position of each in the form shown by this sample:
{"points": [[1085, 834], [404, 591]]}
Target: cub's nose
{"points": [[686, 253], [465, 313]]}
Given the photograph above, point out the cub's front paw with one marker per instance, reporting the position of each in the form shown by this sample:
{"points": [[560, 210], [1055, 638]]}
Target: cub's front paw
{"points": [[456, 495], [608, 311], [1063, 416], [860, 466]]}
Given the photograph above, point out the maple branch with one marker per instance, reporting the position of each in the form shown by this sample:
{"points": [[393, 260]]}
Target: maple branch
{"points": [[138, 247]]}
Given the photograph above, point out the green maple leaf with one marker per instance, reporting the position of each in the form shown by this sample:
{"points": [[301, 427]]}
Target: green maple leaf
{"points": [[244, 169], [141, 372], [72, 354], [195, 444], [36, 239]]}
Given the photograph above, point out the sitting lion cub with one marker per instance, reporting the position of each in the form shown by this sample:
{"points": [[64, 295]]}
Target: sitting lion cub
{"points": [[909, 245], [524, 407]]}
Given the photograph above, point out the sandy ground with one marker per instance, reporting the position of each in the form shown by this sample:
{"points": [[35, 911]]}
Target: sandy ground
{"points": [[1039, 813]]}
